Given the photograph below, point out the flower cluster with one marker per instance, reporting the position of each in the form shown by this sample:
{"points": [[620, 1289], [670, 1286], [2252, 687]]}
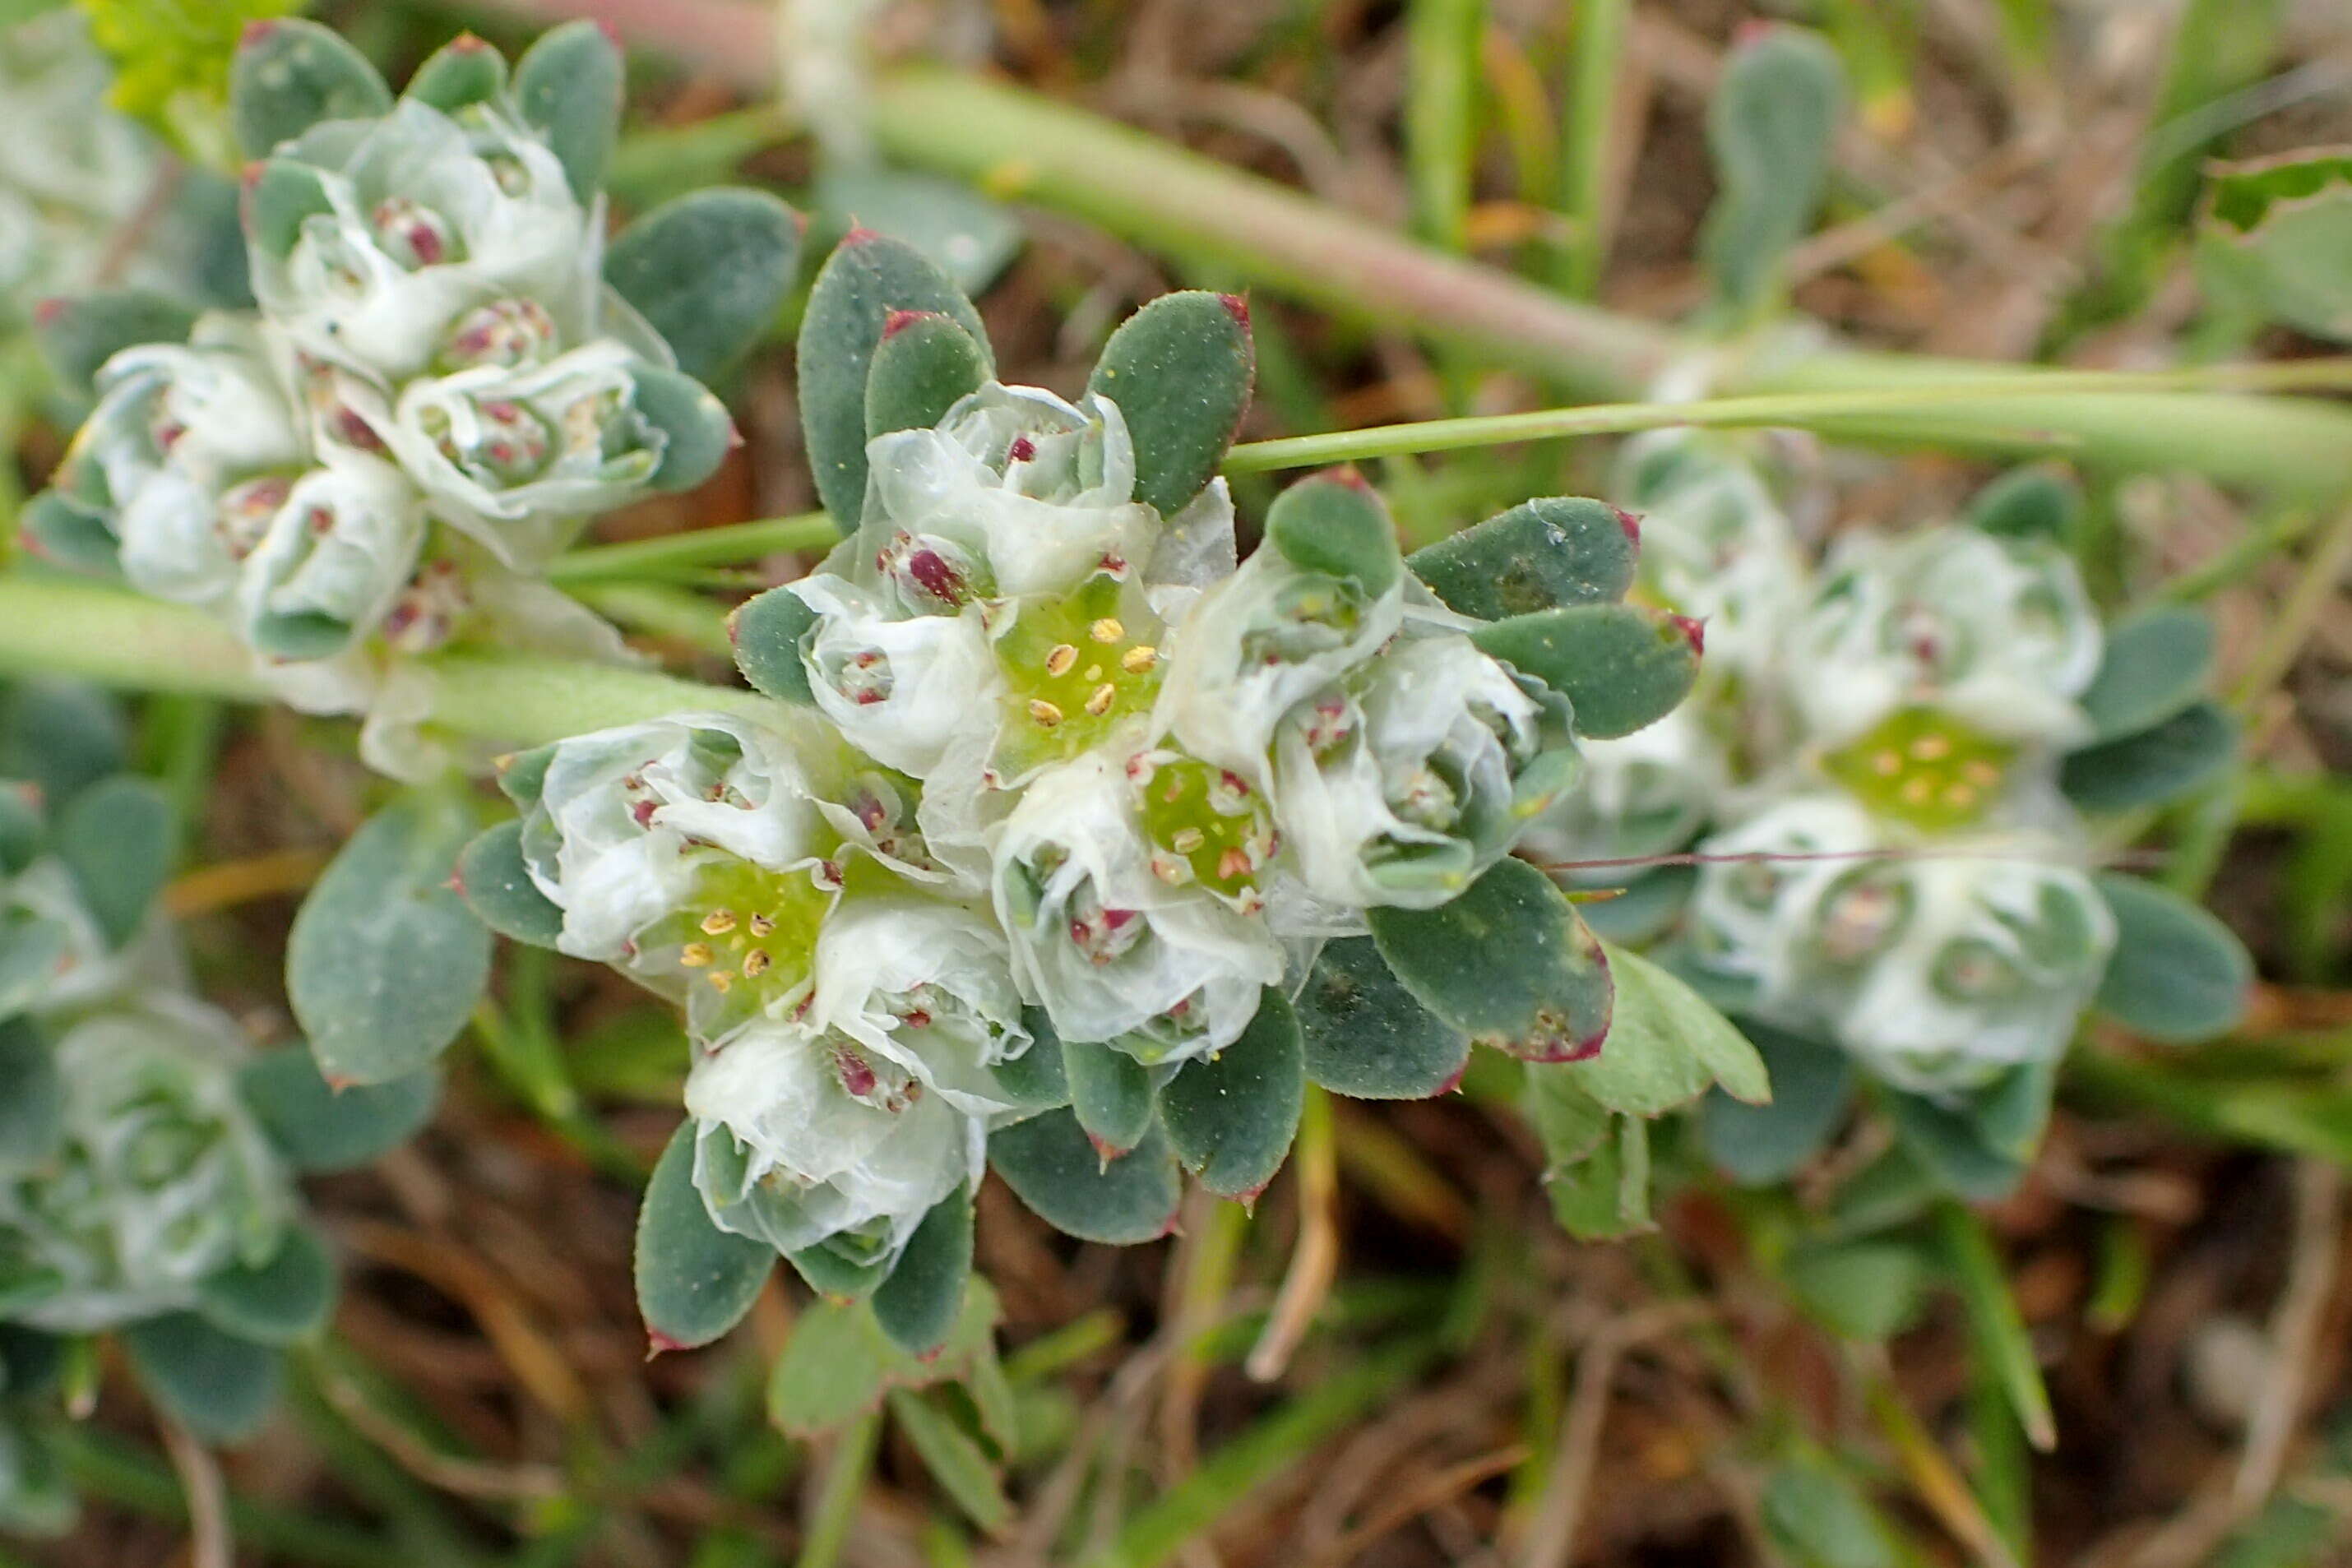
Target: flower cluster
{"points": [[438, 389], [1057, 774], [1873, 775]]}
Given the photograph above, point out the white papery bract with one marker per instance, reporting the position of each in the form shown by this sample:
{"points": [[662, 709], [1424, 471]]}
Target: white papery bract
{"points": [[514, 457], [1648, 793], [926, 983], [903, 688], [807, 1137], [1257, 644], [1404, 789], [1752, 912], [1113, 952], [1015, 492], [339, 551], [430, 216], [1997, 633], [73, 173], [163, 1178]]}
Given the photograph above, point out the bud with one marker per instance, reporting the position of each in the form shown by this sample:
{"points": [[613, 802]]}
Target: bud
{"points": [[331, 561]]}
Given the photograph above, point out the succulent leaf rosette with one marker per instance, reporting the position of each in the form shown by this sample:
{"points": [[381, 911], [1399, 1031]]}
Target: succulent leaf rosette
{"points": [[1054, 802], [1893, 824], [444, 380]]}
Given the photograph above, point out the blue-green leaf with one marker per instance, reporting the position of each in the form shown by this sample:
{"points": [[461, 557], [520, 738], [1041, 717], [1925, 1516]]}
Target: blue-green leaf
{"points": [[1544, 554], [218, 1385], [2157, 663], [320, 1128], [1812, 1087], [288, 76], [2176, 974], [766, 630], [1111, 1094], [1665, 1047], [386, 962], [1180, 370], [120, 837], [1231, 1117], [276, 1303], [569, 86], [695, 1282], [1771, 125], [31, 1099], [709, 270], [1334, 523], [1364, 1034], [1621, 666], [1052, 1167], [497, 887], [918, 1304], [2163, 763], [1508, 962], [925, 363], [79, 334]]}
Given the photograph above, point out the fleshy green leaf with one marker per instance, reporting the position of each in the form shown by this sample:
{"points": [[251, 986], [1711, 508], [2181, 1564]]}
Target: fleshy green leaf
{"points": [[1868, 1290], [695, 1282], [1110, 1094], [31, 1099], [2176, 974], [497, 887], [954, 1458], [1181, 370], [837, 1276], [120, 838], [319, 1128], [709, 270], [700, 432], [1665, 1046], [1597, 1163], [2162, 763], [1052, 1166], [1036, 1080], [57, 531], [567, 84], [2156, 663], [1365, 1036], [917, 1305], [923, 365], [2275, 235], [838, 1363], [461, 73], [280, 195], [2028, 504], [62, 736], [1770, 126], [1979, 1147], [37, 1495], [866, 280], [386, 962], [218, 1385], [1620, 666], [277, 1303], [968, 236], [288, 76], [1544, 554], [79, 334], [1812, 1087], [22, 826], [766, 630], [1334, 523], [1231, 1117], [1508, 962]]}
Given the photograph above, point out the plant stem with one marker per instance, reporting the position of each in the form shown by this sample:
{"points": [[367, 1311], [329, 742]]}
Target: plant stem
{"points": [[639, 558], [117, 639], [1800, 410], [1596, 59], [844, 1484]]}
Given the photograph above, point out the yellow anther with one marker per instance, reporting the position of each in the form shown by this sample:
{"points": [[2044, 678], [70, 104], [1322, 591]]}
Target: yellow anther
{"points": [[1046, 714], [1916, 791], [755, 963], [1932, 748], [1107, 629], [1981, 773], [1059, 660], [719, 921], [1139, 658], [721, 982], [695, 955], [1184, 840], [1960, 797], [1886, 764], [762, 925], [1098, 702]]}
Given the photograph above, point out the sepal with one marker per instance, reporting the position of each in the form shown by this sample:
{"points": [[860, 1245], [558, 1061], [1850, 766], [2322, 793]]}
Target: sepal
{"points": [[289, 75], [1230, 1116], [695, 1282], [1181, 370]]}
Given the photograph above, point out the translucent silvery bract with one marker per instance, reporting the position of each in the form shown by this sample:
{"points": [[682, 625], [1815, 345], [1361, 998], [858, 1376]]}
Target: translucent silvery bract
{"points": [[1996, 634], [162, 1178], [1399, 787], [53, 955], [848, 1122], [1112, 951], [429, 216], [1649, 793], [330, 561], [73, 173]]}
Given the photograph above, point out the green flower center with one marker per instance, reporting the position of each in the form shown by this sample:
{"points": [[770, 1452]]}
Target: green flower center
{"points": [[1925, 768], [1074, 672], [1206, 826]]}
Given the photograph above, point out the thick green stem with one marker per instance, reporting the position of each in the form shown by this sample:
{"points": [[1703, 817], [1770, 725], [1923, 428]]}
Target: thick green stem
{"points": [[637, 559], [117, 639], [1800, 409]]}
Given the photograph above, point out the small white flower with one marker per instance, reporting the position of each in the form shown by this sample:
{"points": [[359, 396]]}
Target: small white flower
{"points": [[1255, 646], [340, 547], [901, 688], [52, 954], [1648, 793], [1942, 973], [1751, 914], [1403, 790], [430, 218], [189, 453], [516, 456], [926, 984], [1113, 952], [164, 1177], [808, 1137], [1015, 492], [1997, 633], [73, 173]]}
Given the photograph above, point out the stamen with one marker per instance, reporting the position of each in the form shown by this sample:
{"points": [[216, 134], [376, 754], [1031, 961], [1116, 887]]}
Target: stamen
{"points": [[1046, 714], [1059, 660], [756, 963], [696, 955], [1107, 629], [1139, 658], [719, 921], [1098, 702], [762, 925]]}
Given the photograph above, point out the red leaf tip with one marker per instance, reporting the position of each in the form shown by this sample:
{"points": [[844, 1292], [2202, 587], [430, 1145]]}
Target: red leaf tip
{"points": [[256, 33], [1237, 306], [658, 1342], [897, 321], [858, 234], [1631, 523], [45, 313], [467, 44], [1346, 474], [1694, 632]]}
